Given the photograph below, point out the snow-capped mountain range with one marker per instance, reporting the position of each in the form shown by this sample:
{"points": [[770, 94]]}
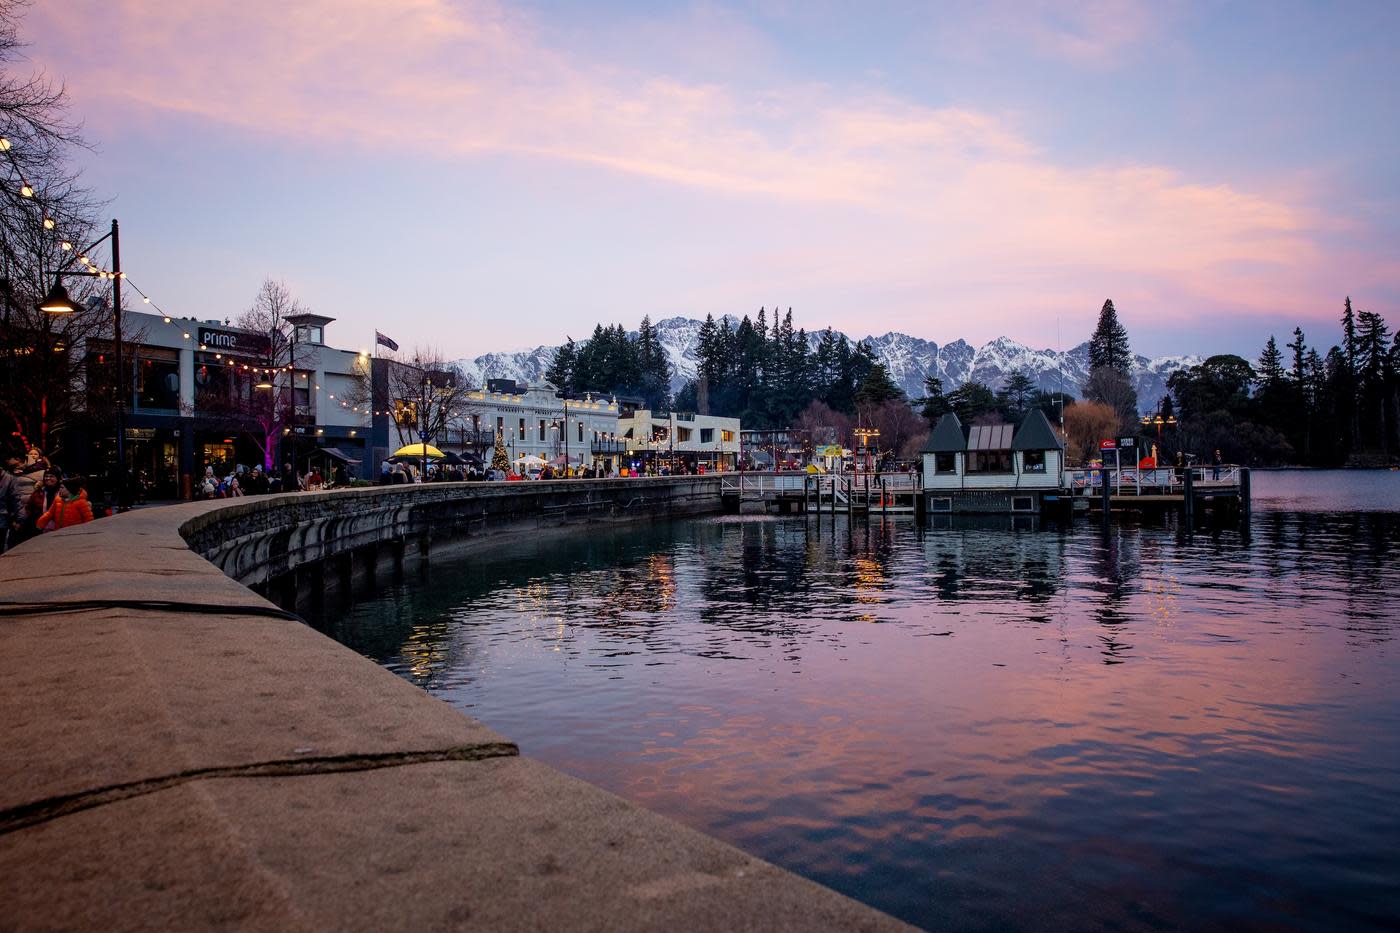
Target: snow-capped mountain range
{"points": [[908, 359]]}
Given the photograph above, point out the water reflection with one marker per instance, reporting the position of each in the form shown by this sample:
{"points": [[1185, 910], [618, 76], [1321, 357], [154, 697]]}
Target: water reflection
{"points": [[974, 725]]}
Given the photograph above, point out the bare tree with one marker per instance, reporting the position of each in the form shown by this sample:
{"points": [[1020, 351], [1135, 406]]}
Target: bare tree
{"points": [[45, 221], [427, 395], [902, 430], [260, 397], [1086, 424]]}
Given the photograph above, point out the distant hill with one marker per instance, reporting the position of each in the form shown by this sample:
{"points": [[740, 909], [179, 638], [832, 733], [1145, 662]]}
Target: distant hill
{"points": [[908, 359]]}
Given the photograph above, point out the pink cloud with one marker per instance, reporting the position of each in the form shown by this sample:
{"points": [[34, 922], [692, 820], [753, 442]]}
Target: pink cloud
{"points": [[950, 200]]}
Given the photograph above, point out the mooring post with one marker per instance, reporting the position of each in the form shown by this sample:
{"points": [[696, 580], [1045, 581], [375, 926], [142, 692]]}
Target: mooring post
{"points": [[1107, 494], [1188, 504], [1245, 506]]}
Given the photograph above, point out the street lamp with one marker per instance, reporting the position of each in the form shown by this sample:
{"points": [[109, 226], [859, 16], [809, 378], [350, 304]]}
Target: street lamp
{"points": [[1158, 420], [57, 301]]}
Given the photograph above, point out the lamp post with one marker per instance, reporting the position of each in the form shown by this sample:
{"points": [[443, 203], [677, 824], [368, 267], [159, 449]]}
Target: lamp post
{"points": [[865, 434], [57, 301]]}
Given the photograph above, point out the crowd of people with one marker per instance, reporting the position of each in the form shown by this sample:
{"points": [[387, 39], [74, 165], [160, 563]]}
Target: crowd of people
{"points": [[36, 496], [255, 481]]}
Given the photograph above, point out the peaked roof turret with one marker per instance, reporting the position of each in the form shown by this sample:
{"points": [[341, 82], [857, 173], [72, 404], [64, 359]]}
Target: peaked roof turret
{"points": [[947, 436], [1035, 433]]}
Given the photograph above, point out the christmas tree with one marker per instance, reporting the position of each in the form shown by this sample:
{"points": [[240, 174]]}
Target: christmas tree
{"points": [[499, 459]]}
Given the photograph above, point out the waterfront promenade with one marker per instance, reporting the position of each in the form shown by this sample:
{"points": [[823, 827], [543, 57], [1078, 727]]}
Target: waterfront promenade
{"points": [[180, 753]]}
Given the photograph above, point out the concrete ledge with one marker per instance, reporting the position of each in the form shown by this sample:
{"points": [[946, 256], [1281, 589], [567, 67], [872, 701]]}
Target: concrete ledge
{"points": [[171, 766]]}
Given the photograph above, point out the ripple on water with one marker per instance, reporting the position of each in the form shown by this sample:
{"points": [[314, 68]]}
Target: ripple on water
{"points": [[972, 727]]}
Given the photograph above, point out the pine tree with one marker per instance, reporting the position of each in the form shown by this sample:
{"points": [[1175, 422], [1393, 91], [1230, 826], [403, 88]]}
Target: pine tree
{"points": [[560, 373], [1014, 397], [1300, 357], [1271, 365], [1109, 344], [934, 404], [1372, 367]]}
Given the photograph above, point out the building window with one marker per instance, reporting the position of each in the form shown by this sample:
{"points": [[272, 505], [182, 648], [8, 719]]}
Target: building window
{"points": [[541, 430], [684, 435], [726, 436], [941, 504], [309, 333], [301, 394], [989, 461], [157, 380], [1033, 461], [521, 435], [1022, 503], [945, 463], [500, 425], [707, 435], [580, 432]]}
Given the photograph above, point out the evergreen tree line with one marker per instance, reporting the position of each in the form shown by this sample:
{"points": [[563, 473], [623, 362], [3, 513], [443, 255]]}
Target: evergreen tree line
{"points": [[1303, 406], [766, 374], [613, 362]]}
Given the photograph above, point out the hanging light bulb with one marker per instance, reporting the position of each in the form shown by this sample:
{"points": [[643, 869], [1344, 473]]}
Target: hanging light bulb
{"points": [[65, 245], [167, 320], [26, 192], [4, 144], [48, 223], [148, 301]]}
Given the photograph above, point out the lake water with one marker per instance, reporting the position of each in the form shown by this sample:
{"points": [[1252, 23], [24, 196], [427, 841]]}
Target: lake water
{"points": [[974, 726]]}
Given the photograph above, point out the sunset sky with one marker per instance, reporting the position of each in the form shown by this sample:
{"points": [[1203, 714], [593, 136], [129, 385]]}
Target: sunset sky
{"points": [[478, 176]]}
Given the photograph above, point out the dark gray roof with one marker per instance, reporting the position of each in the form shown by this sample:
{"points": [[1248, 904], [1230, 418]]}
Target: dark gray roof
{"points": [[989, 437], [947, 436], [1035, 433]]}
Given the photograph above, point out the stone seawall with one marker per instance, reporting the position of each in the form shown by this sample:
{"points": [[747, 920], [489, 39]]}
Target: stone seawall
{"points": [[181, 753], [314, 543]]}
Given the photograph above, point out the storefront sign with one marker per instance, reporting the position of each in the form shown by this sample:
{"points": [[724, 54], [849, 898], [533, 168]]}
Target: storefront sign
{"points": [[1107, 444], [234, 341], [1126, 442]]}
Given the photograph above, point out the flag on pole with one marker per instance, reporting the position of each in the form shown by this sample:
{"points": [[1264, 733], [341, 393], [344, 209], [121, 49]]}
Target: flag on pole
{"points": [[385, 341]]}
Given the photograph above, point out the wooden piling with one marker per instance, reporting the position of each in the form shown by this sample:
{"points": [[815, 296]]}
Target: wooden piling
{"points": [[1107, 494], [1188, 502], [1245, 506]]}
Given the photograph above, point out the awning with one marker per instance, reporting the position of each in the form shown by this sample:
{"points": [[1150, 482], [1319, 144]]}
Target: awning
{"points": [[336, 454]]}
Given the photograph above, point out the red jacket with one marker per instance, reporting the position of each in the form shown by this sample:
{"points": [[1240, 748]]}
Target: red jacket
{"points": [[65, 512]]}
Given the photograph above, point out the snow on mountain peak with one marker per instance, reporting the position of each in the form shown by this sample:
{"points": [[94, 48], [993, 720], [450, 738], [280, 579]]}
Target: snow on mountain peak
{"points": [[908, 359]]}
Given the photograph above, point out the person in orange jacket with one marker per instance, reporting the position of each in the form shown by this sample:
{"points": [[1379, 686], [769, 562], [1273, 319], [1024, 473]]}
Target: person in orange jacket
{"points": [[70, 508]]}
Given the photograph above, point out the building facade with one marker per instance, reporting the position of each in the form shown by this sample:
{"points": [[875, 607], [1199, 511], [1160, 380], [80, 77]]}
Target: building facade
{"points": [[675, 441], [531, 420], [204, 394]]}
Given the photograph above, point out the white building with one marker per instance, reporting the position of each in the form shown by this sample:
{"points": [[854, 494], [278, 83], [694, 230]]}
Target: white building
{"points": [[680, 440], [992, 467], [535, 421]]}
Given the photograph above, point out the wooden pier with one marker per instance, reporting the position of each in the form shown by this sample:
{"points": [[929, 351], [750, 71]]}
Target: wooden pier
{"points": [[823, 493], [1194, 492]]}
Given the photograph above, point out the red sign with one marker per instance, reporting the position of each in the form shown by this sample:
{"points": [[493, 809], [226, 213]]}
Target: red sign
{"points": [[1108, 444]]}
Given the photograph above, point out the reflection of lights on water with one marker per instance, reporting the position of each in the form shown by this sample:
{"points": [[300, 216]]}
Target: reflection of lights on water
{"points": [[1161, 598], [870, 577], [426, 650]]}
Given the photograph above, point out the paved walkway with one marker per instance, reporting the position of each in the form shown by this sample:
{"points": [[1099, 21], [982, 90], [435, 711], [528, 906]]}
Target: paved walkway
{"points": [[178, 754]]}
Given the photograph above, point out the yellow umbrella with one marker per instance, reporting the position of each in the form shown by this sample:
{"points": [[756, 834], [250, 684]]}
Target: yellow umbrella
{"points": [[418, 450]]}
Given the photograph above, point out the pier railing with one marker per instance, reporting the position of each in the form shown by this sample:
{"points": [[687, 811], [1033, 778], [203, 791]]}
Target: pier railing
{"points": [[828, 491], [1135, 481]]}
